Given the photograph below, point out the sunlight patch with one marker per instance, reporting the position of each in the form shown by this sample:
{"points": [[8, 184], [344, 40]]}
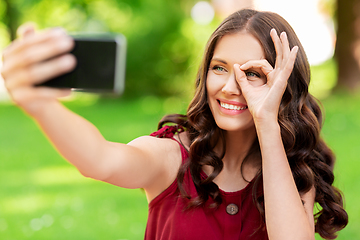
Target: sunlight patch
{"points": [[57, 176], [25, 204]]}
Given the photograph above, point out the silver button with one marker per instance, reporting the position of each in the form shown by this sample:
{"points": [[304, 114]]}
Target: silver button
{"points": [[232, 209]]}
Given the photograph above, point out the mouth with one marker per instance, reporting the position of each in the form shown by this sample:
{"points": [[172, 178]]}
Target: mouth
{"points": [[235, 107]]}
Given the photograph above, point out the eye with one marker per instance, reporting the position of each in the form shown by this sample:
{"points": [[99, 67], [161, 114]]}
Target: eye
{"points": [[218, 69], [255, 78], [252, 75]]}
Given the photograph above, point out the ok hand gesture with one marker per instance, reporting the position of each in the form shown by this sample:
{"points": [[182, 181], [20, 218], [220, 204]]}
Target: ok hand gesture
{"points": [[264, 101]]}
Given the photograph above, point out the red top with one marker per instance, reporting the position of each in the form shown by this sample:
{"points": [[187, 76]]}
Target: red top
{"points": [[236, 218]]}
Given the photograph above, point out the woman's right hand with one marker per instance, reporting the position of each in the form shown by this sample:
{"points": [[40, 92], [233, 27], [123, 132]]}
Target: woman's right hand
{"points": [[34, 58]]}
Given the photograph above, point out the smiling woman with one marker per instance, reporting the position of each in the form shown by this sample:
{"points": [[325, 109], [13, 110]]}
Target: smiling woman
{"points": [[247, 155], [279, 146]]}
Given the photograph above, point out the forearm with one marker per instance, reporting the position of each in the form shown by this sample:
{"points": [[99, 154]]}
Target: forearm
{"points": [[284, 212], [76, 139]]}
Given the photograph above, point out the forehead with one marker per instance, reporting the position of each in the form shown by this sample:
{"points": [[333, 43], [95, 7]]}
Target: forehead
{"points": [[238, 48]]}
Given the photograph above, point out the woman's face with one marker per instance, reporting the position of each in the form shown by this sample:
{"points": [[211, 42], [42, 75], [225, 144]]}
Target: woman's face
{"points": [[225, 99]]}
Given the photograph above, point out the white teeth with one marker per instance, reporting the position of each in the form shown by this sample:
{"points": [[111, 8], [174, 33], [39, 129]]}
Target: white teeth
{"points": [[232, 107]]}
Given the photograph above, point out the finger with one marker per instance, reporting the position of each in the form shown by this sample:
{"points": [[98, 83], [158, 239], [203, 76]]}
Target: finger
{"points": [[263, 64], [36, 53], [41, 72], [29, 98], [278, 47], [285, 46], [18, 46], [289, 66], [24, 94], [26, 30], [240, 77]]}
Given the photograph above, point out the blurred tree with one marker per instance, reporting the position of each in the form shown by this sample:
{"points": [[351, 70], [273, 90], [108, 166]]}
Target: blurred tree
{"points": [[158, 48], [347, 51], [10, 17]]}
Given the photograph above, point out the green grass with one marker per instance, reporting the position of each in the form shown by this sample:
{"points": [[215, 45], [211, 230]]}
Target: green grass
{"points": [[44, 197]]}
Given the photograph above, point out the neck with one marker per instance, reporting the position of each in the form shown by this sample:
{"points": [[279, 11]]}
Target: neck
{"points": [[238, 145]]}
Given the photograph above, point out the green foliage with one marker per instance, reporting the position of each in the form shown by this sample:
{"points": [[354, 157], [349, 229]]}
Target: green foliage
{"points": [[159, 50], [323, 79]]}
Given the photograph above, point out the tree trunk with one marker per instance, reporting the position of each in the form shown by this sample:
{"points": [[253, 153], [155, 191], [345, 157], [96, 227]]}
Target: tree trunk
{"points": [[347, 51], [11, 18]]}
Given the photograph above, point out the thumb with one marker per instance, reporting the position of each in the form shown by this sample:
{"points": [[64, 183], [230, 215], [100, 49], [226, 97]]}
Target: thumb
{"points": [[26, 30], [240, 77]]}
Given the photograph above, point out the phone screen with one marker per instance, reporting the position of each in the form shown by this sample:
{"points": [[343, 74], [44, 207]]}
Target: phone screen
{"points": [[100, 67]]}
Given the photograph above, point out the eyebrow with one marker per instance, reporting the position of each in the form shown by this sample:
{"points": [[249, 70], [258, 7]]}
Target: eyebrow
{"points": [[218, 60]]}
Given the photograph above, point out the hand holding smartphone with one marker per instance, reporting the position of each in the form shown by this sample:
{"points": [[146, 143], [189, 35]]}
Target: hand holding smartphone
{"points": [[101, 62]]}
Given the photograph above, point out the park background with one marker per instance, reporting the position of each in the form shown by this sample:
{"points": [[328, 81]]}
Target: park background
{"points": [[44, 197]]}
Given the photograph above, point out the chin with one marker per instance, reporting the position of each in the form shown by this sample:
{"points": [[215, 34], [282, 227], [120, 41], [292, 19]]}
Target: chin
{"points": [[234, 125]]}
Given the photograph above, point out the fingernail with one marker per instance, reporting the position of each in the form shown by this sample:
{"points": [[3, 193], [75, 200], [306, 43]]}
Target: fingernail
{"points": [[66, 43], [68, 61], [57, 31]]}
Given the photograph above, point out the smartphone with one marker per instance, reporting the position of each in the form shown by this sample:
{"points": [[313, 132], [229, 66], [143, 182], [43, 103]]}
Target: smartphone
{"points": [[100, 68]]}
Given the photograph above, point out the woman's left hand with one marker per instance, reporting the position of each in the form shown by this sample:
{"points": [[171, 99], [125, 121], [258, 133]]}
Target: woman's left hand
{"points": [[264, 101]]}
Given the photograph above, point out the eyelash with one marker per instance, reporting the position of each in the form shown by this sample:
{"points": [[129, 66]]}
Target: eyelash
{"points": [[216, 68], [222, 69], [255, 73]]}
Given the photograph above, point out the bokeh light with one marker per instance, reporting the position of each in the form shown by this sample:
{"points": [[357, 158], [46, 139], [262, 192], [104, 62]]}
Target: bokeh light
{"points": [[202, 13], [314, 29]]}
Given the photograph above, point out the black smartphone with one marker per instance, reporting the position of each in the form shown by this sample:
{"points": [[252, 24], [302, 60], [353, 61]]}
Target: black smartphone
{"points": [[100, 68]]}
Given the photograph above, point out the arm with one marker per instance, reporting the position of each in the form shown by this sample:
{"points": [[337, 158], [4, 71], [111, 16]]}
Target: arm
{"points": [[285, 215], [37, 57]]}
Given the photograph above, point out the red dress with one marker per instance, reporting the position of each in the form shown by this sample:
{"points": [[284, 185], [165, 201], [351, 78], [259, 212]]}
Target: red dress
{"points": [[236, 218]]}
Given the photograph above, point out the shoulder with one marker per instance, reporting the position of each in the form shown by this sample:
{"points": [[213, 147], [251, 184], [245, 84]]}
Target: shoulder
{"points": [[168, 139], [165, 156], [183, 139], [164, 152], [155, 144]]}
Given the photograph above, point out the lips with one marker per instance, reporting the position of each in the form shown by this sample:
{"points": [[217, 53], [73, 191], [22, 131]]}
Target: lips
{"points": [[231, 107]]}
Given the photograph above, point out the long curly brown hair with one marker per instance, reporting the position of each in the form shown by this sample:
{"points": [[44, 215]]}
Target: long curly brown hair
{"points": [[300, 119]]}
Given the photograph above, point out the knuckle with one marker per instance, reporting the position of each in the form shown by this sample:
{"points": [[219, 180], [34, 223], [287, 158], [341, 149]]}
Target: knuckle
{"points": [[5, 54], [15, 96], [30, 74], [63, 44], [28, 57], [7, 85], [4, 72], [10, 84], [18, 97]]}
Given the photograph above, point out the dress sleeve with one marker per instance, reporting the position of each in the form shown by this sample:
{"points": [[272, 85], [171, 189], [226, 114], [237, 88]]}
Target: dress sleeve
{"points": [[167, 131]]}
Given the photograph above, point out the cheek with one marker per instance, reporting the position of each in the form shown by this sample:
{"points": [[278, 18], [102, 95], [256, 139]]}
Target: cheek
{"points": [[213, 84]]}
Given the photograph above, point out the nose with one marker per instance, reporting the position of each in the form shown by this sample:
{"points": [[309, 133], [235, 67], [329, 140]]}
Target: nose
{"points": [[231, 86]]}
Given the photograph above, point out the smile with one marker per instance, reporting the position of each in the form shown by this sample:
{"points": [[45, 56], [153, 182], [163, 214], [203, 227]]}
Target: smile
{"points": [[232, 107]]}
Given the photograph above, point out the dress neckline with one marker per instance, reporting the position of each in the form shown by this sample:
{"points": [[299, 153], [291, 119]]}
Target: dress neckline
{"points": [[235, 193]]}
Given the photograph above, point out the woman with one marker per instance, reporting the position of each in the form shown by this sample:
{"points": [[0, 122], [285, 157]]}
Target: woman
{"points": [[246, 162]]}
